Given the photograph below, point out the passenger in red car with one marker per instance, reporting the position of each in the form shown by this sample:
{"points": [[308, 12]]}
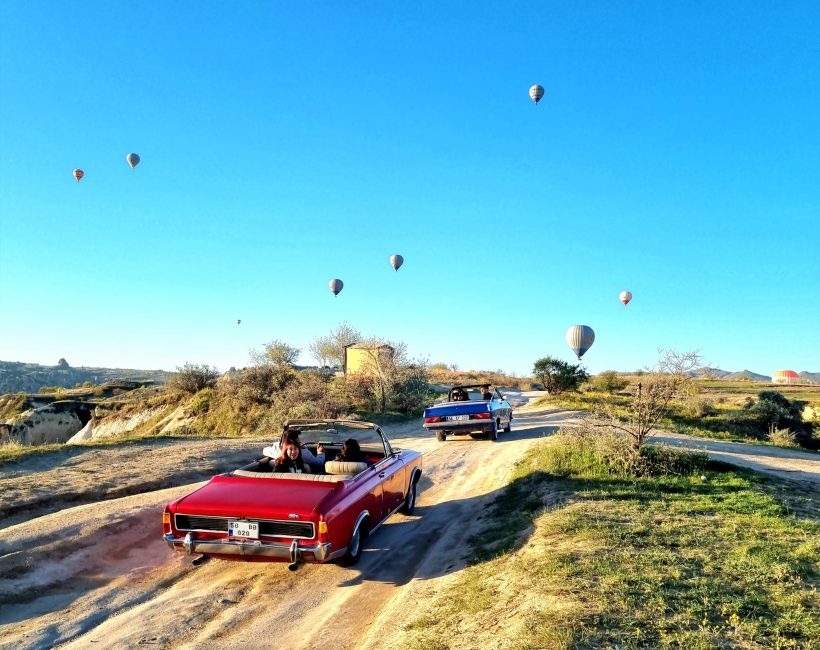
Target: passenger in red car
{"points": [[291, 460], [351, 452]]}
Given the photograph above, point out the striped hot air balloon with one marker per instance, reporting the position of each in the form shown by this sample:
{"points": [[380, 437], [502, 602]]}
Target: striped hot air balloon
{"points": [[335, 286], [580, 339], [536, 92], [396, 261]]}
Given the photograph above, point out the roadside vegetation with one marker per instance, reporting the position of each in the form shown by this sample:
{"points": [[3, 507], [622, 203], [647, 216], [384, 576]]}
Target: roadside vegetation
{"points": [[668, 398], [200, 401], [595, 543], [441, 373]]}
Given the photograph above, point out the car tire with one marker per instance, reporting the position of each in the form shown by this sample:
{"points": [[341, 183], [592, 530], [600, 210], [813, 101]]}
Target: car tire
{"points": [[493, 433], [354, 549], [410, 500], [441, 436], [508, 428]]}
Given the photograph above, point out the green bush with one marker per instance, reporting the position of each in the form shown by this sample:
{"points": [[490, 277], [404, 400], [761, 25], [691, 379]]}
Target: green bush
{"points": [[558, 376], [608, 381], [772, 410], [201, 402]]}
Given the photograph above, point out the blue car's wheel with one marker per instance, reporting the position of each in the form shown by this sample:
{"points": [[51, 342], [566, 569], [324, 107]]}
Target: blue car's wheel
{"points": [[493, 433]]}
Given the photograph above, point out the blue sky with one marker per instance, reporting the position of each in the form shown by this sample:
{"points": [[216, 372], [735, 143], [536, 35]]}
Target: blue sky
{"points": [[676, 154]]}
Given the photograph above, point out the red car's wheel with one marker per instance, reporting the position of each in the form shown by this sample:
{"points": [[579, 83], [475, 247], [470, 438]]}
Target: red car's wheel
{"points": [[410, 500], [354, 549]]}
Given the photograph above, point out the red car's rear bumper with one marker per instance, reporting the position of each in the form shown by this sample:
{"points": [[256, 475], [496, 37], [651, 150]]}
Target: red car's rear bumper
{"points": [[318, 552]]}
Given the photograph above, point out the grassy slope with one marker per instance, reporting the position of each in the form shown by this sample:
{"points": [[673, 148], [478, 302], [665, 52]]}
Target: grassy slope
{"points": [[621, 561], [726, 398]]}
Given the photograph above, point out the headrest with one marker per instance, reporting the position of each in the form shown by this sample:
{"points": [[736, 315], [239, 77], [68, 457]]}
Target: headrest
{"points": [[344, 467]]}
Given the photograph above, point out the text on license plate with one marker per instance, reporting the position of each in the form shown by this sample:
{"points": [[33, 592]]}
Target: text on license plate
{"points": [[459, 417], [243, 529]]}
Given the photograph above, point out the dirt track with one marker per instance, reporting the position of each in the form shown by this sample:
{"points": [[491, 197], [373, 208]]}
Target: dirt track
{"points": [[98, 575], [103, 577]]}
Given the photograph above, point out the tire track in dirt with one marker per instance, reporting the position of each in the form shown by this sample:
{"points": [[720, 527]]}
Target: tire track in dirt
{"points": [[126, 588]]}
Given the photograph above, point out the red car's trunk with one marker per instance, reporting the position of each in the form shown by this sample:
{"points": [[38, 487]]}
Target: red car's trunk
{"points": [[255, 498]]}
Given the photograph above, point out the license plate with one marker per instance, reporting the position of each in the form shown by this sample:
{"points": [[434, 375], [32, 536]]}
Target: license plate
{"points": [[459, 417], [248, 529]]}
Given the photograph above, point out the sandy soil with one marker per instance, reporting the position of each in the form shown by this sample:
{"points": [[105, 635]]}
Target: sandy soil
{"points": [[98, 575]]}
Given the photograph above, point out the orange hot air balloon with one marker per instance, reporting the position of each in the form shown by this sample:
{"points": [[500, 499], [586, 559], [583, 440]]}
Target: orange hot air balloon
{"points": [[78, 174], [625, 297]]}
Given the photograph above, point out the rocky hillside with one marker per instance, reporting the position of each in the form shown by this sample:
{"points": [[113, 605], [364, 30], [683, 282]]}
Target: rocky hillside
{"points": [[17, 377], [111, 410]]}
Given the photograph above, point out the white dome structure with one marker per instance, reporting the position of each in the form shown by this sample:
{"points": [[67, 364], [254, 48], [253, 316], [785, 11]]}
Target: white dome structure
{"points": [[785, 377]]}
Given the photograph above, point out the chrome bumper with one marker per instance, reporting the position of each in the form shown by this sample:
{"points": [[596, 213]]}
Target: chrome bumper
{"points": [[461, 426], [293, 552]]}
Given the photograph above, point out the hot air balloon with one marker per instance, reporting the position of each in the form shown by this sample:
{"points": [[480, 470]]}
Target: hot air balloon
{"points": [[625, 297], [238, 321], [133, 159], [536, 92], [78, 174], [336, 286], [580, 339], [396, 261]]}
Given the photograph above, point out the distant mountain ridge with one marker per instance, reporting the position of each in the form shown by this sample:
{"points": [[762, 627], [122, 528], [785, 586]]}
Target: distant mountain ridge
{"points": [[746, 375], [18, 376]]}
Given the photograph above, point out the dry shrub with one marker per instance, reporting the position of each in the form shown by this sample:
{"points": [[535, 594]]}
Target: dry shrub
{"points": [[699, 407], [190, 378], [310, 396], [783, 437], [617, 453], [259, 384]]}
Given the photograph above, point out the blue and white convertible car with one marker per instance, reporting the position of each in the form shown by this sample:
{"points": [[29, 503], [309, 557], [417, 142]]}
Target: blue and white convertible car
{"points": [[470, 409]]}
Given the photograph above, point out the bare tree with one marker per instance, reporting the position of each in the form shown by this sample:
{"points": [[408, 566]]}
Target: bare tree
{"points": [[383, 359], [330, 350], [276, 353], [670, 377]]}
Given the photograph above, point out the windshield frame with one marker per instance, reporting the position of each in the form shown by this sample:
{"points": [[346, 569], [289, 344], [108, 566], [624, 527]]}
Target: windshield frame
{"points": [[311, 430]]}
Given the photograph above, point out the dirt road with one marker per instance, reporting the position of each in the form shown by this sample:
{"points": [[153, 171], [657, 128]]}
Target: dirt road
{"points": [[788, 464], [98, 575]]}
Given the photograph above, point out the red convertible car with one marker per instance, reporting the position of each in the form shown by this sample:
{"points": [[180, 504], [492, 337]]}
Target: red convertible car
{"points": [[257, 514]]}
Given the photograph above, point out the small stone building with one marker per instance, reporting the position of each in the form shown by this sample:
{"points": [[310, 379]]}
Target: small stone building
{"points": [[360, 357]]}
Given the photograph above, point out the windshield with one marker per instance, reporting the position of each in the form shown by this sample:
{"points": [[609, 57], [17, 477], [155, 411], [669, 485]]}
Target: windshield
{"points": [[335, 434]]}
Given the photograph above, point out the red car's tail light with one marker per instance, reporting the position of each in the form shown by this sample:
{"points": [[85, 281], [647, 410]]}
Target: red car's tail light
{"points": [[480, 416], [431, 420]]}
